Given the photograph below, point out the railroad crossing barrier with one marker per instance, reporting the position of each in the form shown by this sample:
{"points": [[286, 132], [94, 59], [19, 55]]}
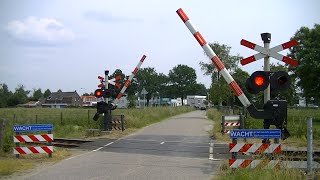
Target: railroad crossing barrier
{"points": [[260, 148], [18, 138], [117, 123], [231, 121]]}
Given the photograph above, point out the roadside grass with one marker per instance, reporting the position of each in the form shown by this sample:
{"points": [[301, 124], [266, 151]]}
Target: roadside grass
{"points": [[9, 164], [297, 126], [70, 123], [261, 174]]}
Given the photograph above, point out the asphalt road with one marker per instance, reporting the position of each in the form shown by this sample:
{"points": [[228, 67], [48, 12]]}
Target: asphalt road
{"points": [[177, 148]]}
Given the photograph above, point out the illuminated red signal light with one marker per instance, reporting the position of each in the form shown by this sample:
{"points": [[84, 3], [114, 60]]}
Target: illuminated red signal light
{"points": [[98, 93], [259, 80]]}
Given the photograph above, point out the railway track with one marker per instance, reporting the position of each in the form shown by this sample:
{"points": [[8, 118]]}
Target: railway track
{"points": [[296, 155], [66, 143], [69, 143]]}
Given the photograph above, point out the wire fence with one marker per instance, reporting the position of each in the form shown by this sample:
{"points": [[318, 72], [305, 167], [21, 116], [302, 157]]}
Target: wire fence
{"points": [[62, 117]]}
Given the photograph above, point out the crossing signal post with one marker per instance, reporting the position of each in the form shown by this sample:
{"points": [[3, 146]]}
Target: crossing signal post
{"points": [[273, 109], [105, 95], [278, 81]]}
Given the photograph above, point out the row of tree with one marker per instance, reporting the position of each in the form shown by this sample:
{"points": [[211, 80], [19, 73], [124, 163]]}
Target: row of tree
{"points": [[20, 95], [180, 82]]}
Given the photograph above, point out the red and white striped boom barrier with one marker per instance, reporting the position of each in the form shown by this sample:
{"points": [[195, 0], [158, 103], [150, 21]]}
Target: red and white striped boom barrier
{"points": [[273, 52], [127, 83], [215, 59]]}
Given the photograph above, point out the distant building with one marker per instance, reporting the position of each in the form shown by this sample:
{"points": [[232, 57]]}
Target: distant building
{"points": [[196, 101], [89, 101], [123, 102], [61, 99]]}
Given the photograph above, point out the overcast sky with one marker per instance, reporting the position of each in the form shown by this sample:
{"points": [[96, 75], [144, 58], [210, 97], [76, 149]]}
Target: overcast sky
{"points": [[66, 44]]}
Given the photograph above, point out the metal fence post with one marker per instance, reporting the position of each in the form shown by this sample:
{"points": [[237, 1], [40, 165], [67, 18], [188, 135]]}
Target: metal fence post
{"points": [[61, 118], [222, 125], [234, 154], [309, 147], [2, 126], [36, 118], [122, 122], [88, 116]]}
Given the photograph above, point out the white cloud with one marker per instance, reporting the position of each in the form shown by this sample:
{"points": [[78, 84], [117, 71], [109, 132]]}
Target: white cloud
{"points": [[39, 31]]}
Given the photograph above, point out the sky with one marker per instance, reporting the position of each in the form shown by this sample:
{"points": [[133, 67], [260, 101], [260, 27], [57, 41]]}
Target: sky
{"points": [[67, 44]]}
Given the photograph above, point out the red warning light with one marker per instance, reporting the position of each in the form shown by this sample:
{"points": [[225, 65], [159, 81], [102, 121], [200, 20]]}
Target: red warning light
{"points": [[98, 93], [259, 80]]}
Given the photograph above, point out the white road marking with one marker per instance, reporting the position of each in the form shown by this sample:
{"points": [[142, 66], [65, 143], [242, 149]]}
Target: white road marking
{"points": [[211, 151], [108, 144], [97, 149], [162, 142]]}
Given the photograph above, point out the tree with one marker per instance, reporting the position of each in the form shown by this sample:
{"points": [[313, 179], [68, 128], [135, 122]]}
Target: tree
{"points": [[5, 94], [20, 96], [219, 90], [36, 95], [147, 78], [240, 77], [183, 80], [46, 93], [307, 52]]}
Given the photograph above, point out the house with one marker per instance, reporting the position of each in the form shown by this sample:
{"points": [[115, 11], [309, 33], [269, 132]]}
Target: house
{"points": [[61, 99]]}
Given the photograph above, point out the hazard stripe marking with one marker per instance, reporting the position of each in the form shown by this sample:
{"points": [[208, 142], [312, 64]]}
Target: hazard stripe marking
{"points": [[182, 15], [235, 88]]}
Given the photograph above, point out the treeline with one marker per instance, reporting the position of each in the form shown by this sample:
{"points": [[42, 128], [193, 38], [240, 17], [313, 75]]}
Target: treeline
{"points": [[20, 95], [180, 82]]}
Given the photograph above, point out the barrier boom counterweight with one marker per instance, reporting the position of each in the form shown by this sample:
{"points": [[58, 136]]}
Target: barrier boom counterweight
{"points": [[215, 60]]}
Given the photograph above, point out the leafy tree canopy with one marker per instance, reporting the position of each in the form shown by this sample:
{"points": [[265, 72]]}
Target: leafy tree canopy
{"points": [[307, 52]]}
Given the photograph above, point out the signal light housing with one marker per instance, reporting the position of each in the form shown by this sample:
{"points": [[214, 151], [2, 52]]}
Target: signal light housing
{"points": [[98, 93], [106, 93], [260, 80], [279, 81]]}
